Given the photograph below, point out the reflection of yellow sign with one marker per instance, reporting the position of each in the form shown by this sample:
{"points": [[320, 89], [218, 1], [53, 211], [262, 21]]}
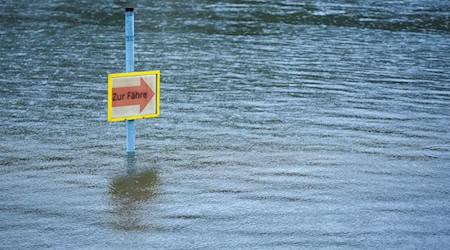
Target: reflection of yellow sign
{"points": [[128, 195], [133, 95]]}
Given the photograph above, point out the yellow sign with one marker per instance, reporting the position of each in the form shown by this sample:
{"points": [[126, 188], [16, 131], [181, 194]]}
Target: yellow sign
{"points": [[133, 95]]}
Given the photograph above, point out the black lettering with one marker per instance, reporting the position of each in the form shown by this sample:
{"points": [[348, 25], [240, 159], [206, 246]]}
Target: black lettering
{"points": [[117, 97], [136, 95]]}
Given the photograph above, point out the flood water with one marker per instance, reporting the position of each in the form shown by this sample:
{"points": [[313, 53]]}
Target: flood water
{"points": [[284, 124]]}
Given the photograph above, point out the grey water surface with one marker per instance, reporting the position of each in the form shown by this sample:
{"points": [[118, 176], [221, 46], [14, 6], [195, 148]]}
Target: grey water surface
{"points": [[284, 124]]}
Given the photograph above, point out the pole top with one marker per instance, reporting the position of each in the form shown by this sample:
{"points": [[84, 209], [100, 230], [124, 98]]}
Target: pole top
{"points": [[129, 9]]}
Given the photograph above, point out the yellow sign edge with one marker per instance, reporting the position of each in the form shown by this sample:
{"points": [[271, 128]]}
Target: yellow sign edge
{"points": [[118, 75]]}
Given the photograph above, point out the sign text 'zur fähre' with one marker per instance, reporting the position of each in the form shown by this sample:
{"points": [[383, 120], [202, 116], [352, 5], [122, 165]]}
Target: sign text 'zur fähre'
{"points": [[133, 96]]}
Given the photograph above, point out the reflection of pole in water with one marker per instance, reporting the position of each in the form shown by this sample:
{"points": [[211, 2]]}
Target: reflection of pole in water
{"points": [[128, 193], [131, 164]]}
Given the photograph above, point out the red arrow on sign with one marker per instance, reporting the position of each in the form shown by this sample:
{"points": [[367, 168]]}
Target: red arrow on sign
{"points": [[134, 95]]}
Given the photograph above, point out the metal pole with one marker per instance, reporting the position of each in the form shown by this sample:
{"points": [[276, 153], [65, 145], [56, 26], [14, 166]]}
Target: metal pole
{"points": [[129, 58]]}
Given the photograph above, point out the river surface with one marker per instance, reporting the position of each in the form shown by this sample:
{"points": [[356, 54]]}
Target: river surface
{"points": [[284, 124]]}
